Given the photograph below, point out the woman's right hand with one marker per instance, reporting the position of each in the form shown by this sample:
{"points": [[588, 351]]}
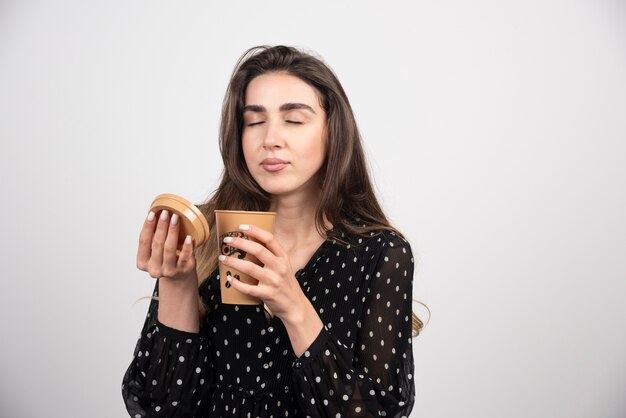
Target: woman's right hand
{"points": [[176, 271], [158, 254]]}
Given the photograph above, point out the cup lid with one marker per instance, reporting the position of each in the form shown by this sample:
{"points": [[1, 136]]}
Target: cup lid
{"points": [[193, 220]]}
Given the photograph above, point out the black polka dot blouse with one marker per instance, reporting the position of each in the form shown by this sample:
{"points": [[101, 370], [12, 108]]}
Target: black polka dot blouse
{"points": [[241, 363]]}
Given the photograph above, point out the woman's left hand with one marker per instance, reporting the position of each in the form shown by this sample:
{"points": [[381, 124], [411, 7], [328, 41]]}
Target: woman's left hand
{"points": [[277, 287]]}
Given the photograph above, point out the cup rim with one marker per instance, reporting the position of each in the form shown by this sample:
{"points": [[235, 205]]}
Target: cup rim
{"points": [[250, 212]]}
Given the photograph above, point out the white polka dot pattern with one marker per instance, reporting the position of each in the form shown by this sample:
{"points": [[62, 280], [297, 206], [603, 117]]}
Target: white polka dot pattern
{"points": [[242, 364]]}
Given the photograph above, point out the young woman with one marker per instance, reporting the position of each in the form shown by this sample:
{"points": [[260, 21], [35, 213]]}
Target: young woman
{"points": [[333, 338]]}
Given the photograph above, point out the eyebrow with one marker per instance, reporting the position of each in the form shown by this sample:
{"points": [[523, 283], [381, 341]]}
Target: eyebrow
{"points": [[283, 108]]}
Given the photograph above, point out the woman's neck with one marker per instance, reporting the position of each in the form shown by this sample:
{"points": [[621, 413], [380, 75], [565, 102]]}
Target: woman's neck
{"points": [[295, 221]]}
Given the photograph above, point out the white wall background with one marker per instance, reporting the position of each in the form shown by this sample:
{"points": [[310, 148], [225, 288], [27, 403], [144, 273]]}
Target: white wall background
{"points": [[496, 132]]}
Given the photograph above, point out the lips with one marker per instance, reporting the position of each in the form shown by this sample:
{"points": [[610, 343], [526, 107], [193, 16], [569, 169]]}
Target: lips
{"points": [[274, 164]]}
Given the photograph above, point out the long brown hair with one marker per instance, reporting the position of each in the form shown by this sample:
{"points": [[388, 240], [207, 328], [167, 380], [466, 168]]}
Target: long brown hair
{"points": [[346, 190]]}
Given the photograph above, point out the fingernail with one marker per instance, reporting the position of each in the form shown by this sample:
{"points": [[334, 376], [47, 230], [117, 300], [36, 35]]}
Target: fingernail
{"points": [[244, 227], [222, 258], [174, 219], [151, 216], [229, 278], [228, 240], [164, 215], [188, 240]]}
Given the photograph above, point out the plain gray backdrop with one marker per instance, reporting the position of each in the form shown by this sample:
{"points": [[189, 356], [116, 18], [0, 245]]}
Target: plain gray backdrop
{"points": [[496, 135]]}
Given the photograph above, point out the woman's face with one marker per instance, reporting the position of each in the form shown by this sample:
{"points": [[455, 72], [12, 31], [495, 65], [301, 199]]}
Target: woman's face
{"points": [[284, 134]]}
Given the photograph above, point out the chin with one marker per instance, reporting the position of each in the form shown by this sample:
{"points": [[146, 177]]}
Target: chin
{"points": [[276, 188], [278, 191], [286, 186]]}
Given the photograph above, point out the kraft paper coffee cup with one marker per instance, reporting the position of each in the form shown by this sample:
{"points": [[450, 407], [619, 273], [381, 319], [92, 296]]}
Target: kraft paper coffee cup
{"points": [[192, 220], [227, 223]]}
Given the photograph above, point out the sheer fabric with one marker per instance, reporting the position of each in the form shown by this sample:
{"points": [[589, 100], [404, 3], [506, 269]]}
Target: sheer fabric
{"points": [[241, 362]]}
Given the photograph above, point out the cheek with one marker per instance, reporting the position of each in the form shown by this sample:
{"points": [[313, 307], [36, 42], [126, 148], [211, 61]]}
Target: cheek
{"points": [[321, 152], [320, 147], [315, 152], [246, 145]]}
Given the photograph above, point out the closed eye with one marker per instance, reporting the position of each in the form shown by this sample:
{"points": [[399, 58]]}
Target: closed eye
{"points": [[255, 123], [295, 122]]}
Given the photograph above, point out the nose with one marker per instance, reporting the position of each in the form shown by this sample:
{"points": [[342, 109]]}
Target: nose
{"points": [[273, 136]]}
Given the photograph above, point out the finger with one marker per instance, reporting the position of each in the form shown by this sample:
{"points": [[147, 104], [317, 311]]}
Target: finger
{"points": [[145, 242], [248, 289], [186, 254], [171, 243], [246, 267], [251, 247], [156, 259], [265, 237]]}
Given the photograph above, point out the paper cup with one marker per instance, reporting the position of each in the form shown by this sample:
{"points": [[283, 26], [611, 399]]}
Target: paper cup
{"points": [[227, 223], [192, 221]]}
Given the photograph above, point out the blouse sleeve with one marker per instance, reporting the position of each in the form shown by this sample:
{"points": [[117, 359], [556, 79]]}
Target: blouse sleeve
{"points": [[376, 379], [170, 373]]}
